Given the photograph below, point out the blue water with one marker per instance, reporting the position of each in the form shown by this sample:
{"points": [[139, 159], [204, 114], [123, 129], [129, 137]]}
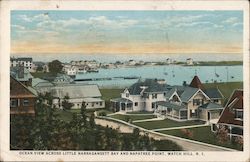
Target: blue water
{"points": [[174, 74]]}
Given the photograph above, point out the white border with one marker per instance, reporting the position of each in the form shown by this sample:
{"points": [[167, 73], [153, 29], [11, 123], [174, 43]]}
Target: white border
{"points": [[7, 6]]}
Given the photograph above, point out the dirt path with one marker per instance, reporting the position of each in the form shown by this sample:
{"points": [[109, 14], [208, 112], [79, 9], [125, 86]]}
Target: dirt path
{"points": [[186, 145]]}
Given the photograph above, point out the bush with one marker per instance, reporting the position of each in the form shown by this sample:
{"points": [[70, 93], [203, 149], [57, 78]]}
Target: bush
{"points": [[127, 119], [222, 134], [103, 113], [187, 133]]}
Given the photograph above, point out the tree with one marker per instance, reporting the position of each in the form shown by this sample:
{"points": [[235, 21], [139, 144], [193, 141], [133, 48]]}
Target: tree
{"points": [[55, 67], [83, 113], [39, 68], [66, 104], [92, 121]]}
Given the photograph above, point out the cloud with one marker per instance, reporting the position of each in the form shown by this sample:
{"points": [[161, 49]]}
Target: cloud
{"points": [[231, 20], [40, 17], [237, 24], [191, 24], [18, 27]]}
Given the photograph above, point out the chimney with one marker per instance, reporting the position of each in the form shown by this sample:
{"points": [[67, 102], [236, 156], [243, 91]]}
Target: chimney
{"points": [[20, 71], [184, 83]]}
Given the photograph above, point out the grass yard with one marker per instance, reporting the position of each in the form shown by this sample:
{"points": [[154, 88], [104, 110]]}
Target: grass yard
{"points": [[132, 117], [166, 123], [225, 88], [107, 94], [202, 134], [41, 74], [140, 112]]}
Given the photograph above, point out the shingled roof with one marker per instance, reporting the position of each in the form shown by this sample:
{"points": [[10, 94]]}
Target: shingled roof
{"points": [[196, 83], [151, 86], [214, 93], [234, 102]]}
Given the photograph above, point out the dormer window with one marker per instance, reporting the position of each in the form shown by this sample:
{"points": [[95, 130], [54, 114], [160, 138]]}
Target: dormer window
{"points": [[238, 114], [198, 102], [154, 96], [127, 94]]}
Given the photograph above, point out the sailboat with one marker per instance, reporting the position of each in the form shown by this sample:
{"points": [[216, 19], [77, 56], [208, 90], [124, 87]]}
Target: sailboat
{"points": [[165, 72], [173, 72], [217, 75]]}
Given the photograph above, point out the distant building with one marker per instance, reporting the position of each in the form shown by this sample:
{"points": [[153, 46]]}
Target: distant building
{"points": [[71, 71], [232, 116], [78, 93], [169, 61], [24, 61], [22, 75], [63, 79], [22, 98], [189, 61]]}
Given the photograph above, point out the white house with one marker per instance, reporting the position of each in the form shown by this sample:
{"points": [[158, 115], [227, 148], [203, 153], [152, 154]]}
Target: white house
{"points": [[189, 61], [72, 70], [27, 62], [78, 93], [188, 102]]}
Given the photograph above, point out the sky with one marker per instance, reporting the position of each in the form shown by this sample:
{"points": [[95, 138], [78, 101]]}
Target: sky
{"points": [[126, 32]]}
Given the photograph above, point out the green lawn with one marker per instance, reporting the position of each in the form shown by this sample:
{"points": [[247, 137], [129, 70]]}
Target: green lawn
{"points": [[166, 124], [225, 88], [132, 117], [41, 74], [202, 134], [140, 112], [107, 94]]}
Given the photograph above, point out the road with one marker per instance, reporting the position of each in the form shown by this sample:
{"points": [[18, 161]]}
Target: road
{"points": [[186, 145]]}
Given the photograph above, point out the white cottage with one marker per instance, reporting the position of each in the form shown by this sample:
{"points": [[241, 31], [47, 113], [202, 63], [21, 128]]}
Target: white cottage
{"points": [[189, 102]]}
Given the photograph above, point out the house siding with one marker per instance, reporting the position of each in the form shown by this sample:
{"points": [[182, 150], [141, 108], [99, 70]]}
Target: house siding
{"points": [[19, 93]]}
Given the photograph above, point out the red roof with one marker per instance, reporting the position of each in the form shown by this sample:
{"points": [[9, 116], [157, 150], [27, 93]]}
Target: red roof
{"points": [[196, 83], [234, 102]]}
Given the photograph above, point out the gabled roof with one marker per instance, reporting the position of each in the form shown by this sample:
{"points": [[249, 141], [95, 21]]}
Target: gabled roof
{"points": [[26, 74], [211, 105], [37, 82], [188, 93], [214, 93], [76, 91], [196, 83], [234, 102], [151, 86], [28, 90]]}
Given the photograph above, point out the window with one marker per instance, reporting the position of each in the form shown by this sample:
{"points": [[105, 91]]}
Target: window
{"points": [[100, 103], [25, 102], [136, 103], [127, 94], [216, 100], [153, 105], [93, 104], [238, 114], [154, 96], [13, 103], [198, 102]]}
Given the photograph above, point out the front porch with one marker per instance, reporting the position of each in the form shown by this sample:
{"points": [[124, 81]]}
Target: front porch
{"points": [[171, 111], [121, 104]]}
